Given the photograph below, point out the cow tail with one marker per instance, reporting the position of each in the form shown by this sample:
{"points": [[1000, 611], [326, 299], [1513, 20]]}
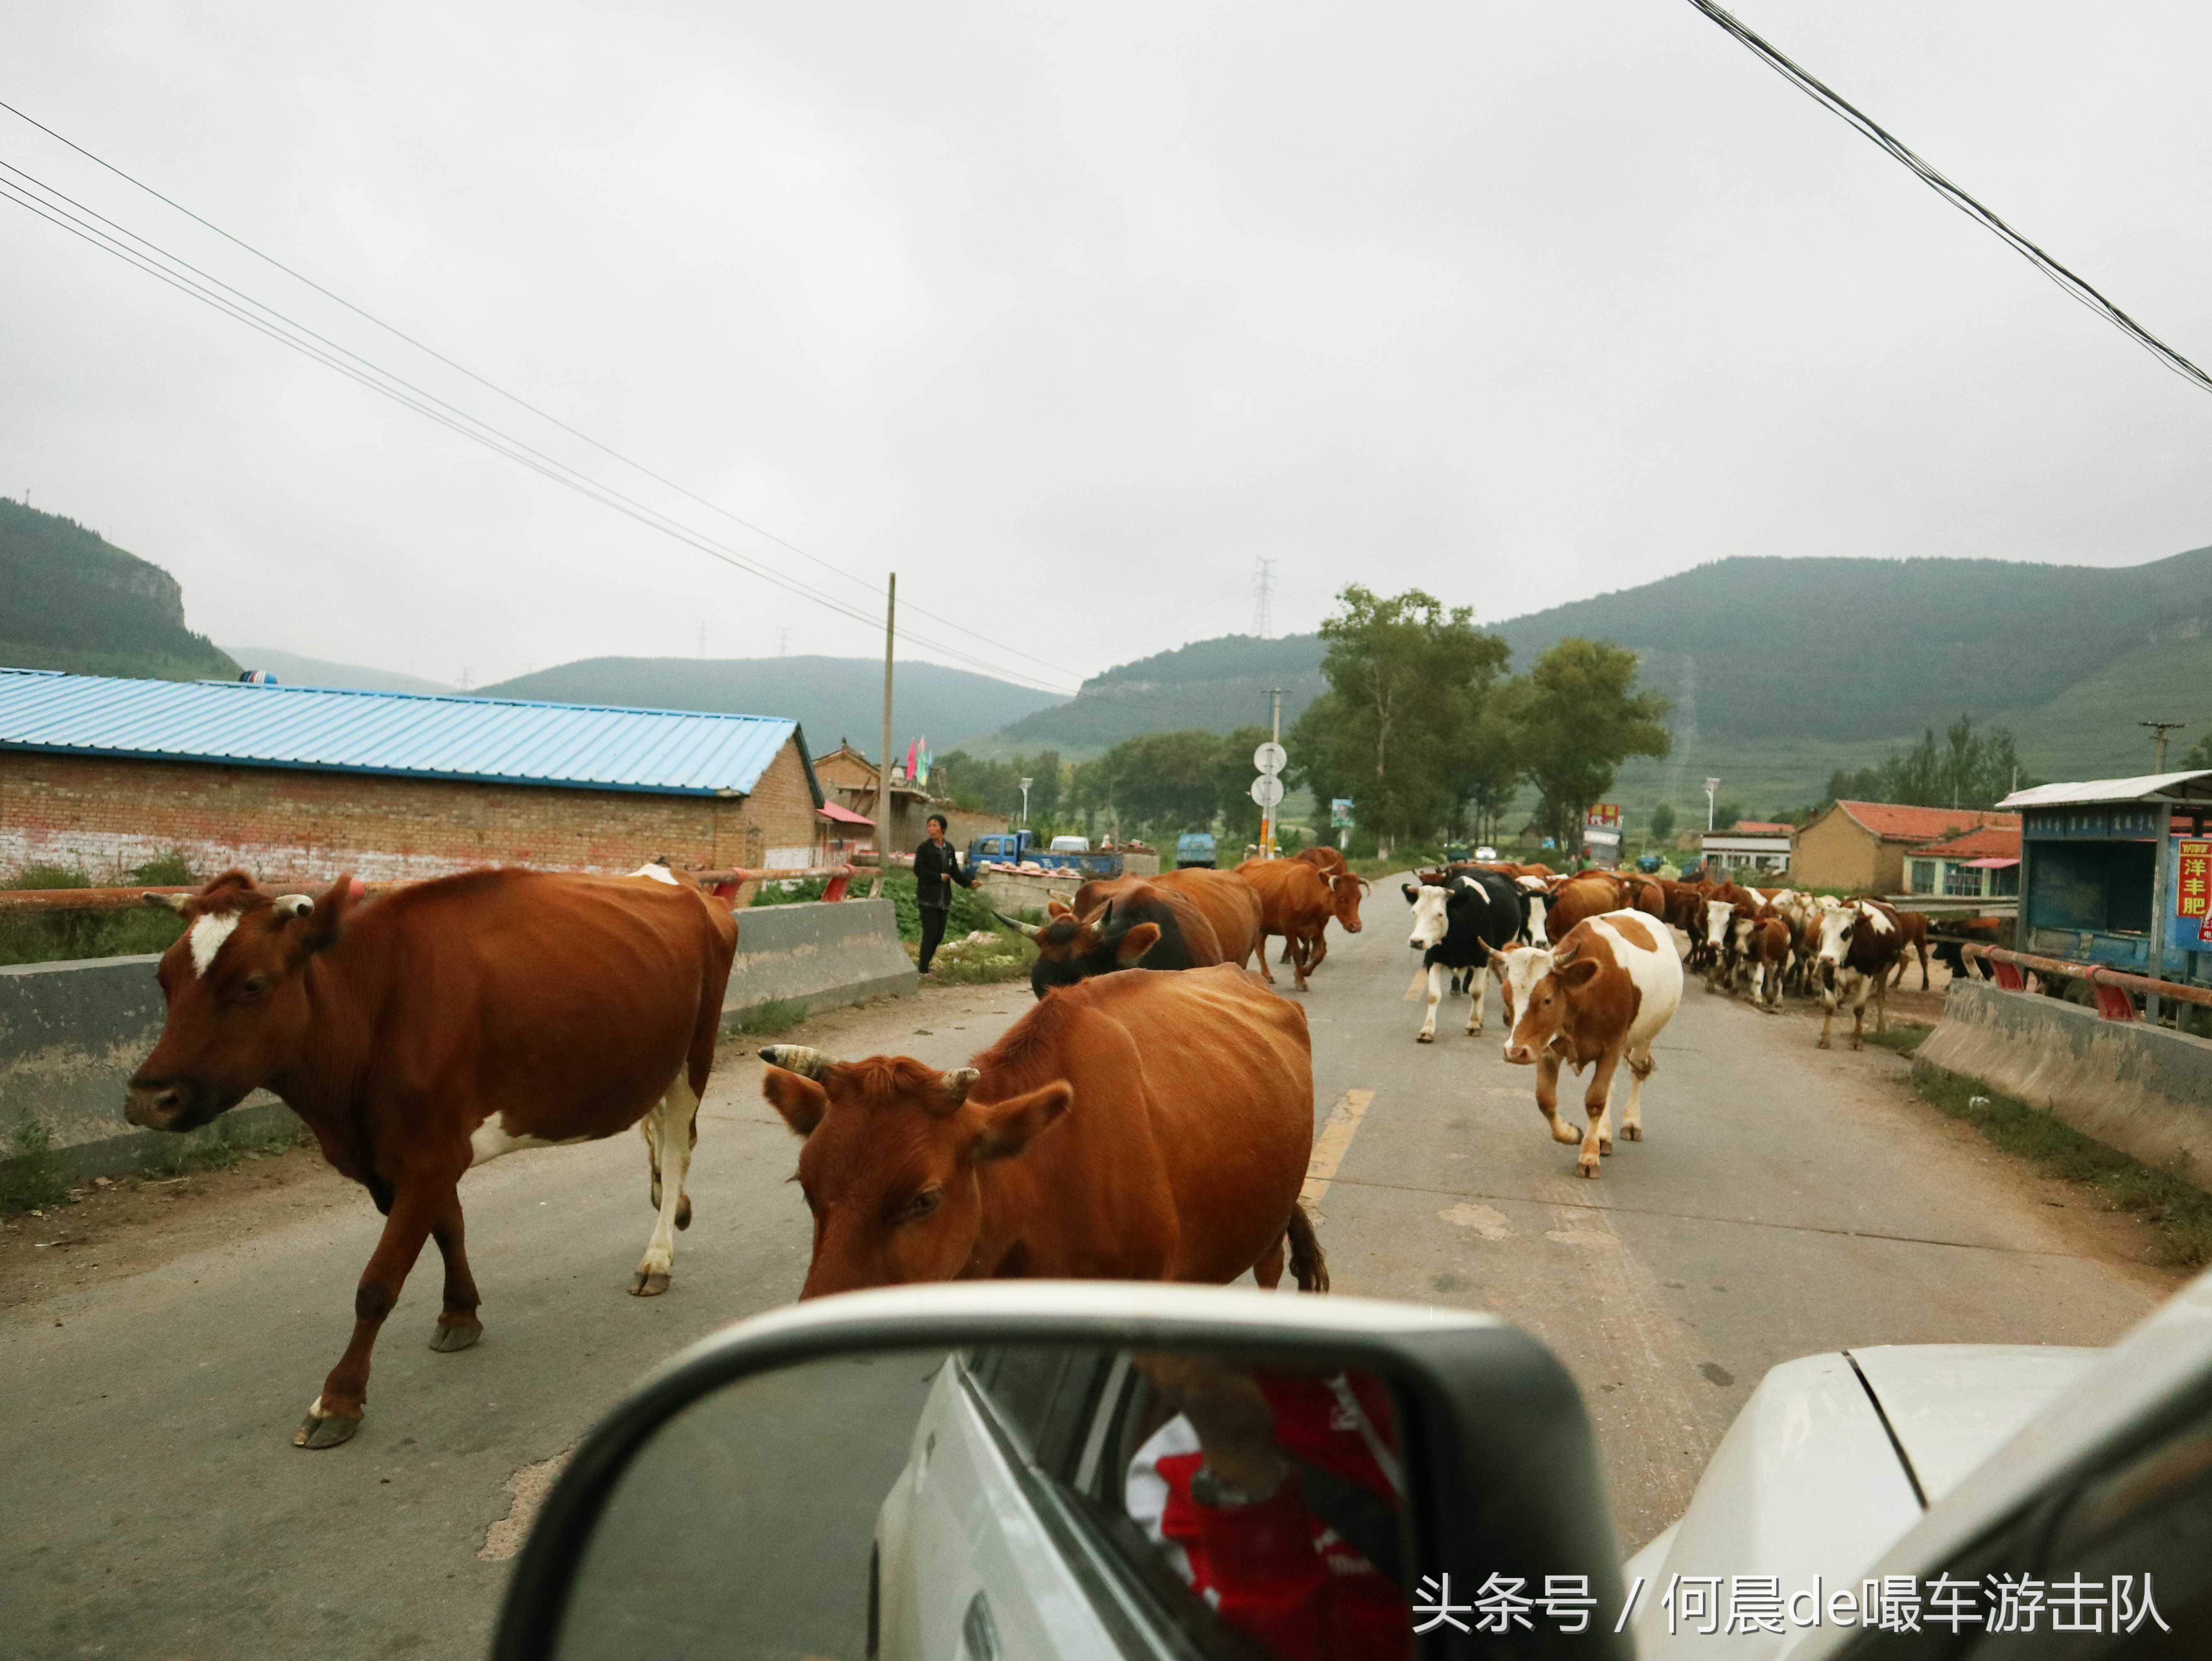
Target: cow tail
{"points": [[1308, 1265]]}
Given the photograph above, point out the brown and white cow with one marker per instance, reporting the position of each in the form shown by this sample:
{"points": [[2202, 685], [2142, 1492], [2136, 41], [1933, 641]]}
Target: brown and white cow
{"points": [[441, 1026], [1600, 997], [1758, 954], [1141, 1126], [1860, 943]]}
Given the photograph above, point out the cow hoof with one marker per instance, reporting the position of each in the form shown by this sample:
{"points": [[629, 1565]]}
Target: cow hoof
{"points": [[1633, 1133], [1823, 1044], [1586, 1167], [683, 1212], [1424, 1037], [1475, 1032], [647, 1283], [325, 1430], [1565, 1133], [449, 1336]]}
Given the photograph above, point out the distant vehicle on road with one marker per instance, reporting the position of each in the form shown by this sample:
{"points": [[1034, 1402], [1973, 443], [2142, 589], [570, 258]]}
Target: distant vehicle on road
{"points": [[1196, 848], [1487, 853], [1016, 850]]}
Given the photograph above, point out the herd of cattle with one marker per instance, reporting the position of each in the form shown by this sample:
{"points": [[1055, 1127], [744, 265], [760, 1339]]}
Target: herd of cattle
{"points": [[450, 1022]]}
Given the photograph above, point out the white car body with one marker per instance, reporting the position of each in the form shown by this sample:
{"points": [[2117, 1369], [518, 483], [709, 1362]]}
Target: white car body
{"points": [[1071, 845]]}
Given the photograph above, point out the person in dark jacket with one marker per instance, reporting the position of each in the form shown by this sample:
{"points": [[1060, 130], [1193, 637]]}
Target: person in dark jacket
{"points": [[936, 868]]}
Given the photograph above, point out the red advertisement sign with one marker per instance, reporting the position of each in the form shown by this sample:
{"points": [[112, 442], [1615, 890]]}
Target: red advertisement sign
{"points": [[2192, 888]]}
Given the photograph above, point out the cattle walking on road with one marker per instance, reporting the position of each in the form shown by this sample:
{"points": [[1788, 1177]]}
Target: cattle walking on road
{"points": [[1137, 926], [443, 1026], [1455, 929], [1296, 901], [1860, 943], [1139, 1126], [1231, 904], [1599, 998]]}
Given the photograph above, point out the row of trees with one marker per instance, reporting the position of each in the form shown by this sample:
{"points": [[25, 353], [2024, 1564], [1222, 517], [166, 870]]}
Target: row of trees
{"points": [[1426, 730], [1964, 769], [995, 786]]}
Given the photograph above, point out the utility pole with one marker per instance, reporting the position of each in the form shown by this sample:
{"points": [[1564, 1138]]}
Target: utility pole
{"points": [[1711, 785], [1275, 738], [883, 762], [2159, 730], [1025, 784]]}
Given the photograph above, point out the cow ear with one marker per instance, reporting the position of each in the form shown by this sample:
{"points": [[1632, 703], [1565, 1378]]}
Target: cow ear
{"points": [[1056, 908], [1581, 972], [1411, 890], [800, 1100], [1002, 1130], [327, 921], [1141, 938]]}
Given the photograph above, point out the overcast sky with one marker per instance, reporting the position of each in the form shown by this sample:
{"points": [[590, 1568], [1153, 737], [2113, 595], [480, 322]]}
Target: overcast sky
{"points": [[1068, 313]]}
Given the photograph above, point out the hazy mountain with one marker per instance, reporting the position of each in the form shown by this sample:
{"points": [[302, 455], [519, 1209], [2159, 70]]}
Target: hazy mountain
{"points": [[293, 670], [70, 599], [831, 698], [1217, 686]]}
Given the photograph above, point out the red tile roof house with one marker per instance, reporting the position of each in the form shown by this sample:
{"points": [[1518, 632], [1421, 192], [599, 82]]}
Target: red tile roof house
{"points": [[1862, 846], [1979, 864]]}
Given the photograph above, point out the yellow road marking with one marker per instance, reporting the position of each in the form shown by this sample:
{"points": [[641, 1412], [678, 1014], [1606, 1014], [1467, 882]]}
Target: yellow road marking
{"points": [[1334, 1138]]}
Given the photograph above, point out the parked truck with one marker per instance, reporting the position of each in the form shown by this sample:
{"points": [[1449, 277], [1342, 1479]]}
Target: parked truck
{"points": [[1018, 849]]}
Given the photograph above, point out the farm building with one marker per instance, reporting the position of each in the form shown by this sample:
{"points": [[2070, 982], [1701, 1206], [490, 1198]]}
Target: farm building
{"points": [[1748, 844], [1862, 846], [850, 777], [103, 775], [1983, 863]]}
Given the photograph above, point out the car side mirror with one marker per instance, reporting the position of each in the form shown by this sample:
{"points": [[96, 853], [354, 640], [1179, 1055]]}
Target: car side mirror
{"points": [[1033, 1468]]}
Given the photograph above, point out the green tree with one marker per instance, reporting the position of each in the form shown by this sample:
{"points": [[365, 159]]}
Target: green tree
{"points": [[1963, 769], [1581, 716], [1662, 821], [1166, 782], [1396, 731]]}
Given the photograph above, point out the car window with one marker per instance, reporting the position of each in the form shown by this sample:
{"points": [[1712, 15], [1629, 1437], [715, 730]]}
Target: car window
{"points": [[1042, 1394], [2118, 1568]]}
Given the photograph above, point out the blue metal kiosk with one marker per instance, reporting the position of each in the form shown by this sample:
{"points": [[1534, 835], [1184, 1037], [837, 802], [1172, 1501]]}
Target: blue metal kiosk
{"points": [[2119, 872]]}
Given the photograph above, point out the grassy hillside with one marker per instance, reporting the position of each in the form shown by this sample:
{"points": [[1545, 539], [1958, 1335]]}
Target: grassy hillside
{"points": [[1214, 685], [1783, 670], [70, 600], [293, 670], [831, 698]]}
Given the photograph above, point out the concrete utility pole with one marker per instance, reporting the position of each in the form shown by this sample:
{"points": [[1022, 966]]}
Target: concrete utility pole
{"points": [[2159, 730], [1025, 802], [883, 760], [1711, 785]]}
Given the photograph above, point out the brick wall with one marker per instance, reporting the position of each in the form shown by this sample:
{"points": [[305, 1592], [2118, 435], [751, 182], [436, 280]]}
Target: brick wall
{"points": [[107, 815]]}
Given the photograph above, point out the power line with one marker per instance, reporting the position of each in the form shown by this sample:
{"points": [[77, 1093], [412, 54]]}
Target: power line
{"points": [[481, 380], [2076, 287]]}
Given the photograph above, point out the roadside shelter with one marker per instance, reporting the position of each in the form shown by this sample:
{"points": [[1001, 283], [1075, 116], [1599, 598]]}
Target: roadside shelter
{"points": [[2119, 872]]}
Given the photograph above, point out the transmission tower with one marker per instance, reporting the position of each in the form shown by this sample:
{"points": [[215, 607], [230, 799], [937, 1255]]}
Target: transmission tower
{"points": [[1263, 597]]}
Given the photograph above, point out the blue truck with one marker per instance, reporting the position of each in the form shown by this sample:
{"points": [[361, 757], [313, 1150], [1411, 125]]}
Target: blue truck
{"points": [[1023, 848], [1196, 848]]}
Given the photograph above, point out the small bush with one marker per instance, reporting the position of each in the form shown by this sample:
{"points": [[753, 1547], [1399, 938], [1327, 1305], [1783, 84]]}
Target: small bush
{"points": [[168, 870], [32, 1177], [2180, 1211], [777, 1015], [982, 958], [62, 936], [1903, 1038]]}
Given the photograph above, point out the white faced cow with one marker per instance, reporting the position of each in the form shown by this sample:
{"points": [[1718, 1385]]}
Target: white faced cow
{"points": [[1601, 997], [1860, 941], [1457, 928]]}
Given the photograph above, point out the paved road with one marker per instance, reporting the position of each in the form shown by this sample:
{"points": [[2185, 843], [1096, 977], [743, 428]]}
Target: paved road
{"points": [[1788, 1200]]}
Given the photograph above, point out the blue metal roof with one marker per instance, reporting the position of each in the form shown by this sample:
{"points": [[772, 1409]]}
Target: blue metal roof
{"points": [[436, 736]]}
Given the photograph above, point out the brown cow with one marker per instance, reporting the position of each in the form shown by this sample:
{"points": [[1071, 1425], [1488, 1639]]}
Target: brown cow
{"points": [[1601, 997], [438, 1027], [1345, 892], [1140, 1127], [1759, 940], [1296, 902], [1575, 899], [1138, 927], [1913, 925], [1231, 904]]}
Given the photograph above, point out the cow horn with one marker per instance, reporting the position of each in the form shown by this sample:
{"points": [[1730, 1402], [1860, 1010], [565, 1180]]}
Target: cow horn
{"points": [[797, 1058], [1565, 957], [1067, 900], [958, 1083], [293, 905], [167, 902], [1029, 928]]}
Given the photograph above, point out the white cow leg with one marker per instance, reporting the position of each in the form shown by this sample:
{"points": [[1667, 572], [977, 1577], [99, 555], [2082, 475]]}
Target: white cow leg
{"points": [[675, 1112], [1439, 978], [1477, 984], [1640, 1068], [1547, 1099], [649, 1128], [1827, 1014]]}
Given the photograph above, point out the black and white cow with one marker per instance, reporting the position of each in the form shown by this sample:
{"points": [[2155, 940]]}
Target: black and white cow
{"points": [[1457, 928]]}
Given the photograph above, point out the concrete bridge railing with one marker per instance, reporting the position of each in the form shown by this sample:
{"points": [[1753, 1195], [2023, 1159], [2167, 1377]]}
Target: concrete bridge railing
{"points": [[71, 1034]]}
